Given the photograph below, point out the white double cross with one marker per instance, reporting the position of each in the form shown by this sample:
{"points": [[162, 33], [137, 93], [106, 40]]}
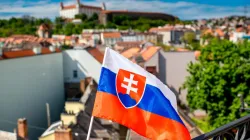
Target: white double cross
{"points": [[130, 82]]}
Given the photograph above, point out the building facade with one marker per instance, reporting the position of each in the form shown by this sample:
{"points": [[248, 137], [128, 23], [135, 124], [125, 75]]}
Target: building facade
{"points": [[173, 70], [70, 11], [79, 64], [27, 84], [111, 38]]}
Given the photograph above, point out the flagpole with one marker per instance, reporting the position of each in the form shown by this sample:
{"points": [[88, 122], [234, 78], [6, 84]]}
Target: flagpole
{"points": [[90, 127], [92, 117], [128, 134]]}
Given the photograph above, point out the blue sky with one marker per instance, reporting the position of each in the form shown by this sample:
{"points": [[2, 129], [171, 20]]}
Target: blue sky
{"points": [[184, 9]]}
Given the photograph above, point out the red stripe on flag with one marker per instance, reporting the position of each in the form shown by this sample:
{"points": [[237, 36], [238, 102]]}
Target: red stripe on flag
{"points": [[145, 123]]}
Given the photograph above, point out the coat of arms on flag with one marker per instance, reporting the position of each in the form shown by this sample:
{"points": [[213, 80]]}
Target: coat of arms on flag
{"points": [[130, 88]]}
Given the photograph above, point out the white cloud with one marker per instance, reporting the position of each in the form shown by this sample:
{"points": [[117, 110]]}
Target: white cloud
{"points": [[184, 10]]}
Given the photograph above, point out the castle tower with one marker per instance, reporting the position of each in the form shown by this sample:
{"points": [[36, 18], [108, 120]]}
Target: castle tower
{"points": [[103, 6]]}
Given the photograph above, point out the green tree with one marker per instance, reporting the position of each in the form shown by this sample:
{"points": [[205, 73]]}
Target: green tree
{"points": [[82, 16], [189, 37], [59, 20], [94, 17], [68, 29], [119, 19], [110, 25], [220, 75]]}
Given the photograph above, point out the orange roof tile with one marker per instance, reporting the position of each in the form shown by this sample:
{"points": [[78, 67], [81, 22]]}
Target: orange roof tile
{"points": [[2, 39], [240, 29], [219, 32], [69, 7], [16, 54], [208, 31], [129, 43], [160, 29], [130, 52], [91, 7], [25, 53], [112, 35], [82, 6], [67, 37], [96, 53], [182, 50], [149, 52]]}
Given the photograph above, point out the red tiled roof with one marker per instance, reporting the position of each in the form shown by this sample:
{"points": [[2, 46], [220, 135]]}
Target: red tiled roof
{"points": [[68, 37], [240, 29], [130, 52], [25, 53], [219, 32], [96, 54], [182, 50], [129, 43], [16, 54], [82, 6], [91, 7], [44, 26], [2, 39], [149, 52], [208, 31], [112, 35], [69, 7], [160, 29]]}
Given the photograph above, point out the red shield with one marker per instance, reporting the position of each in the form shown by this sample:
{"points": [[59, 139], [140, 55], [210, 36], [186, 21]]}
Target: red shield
{"points": [[129, 88]]}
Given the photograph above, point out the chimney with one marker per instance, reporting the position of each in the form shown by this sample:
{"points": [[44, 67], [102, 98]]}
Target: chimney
{"points": [[63, 134], [52, 48], [1, 51], [1, 48], [37, 50], [22, 128]]}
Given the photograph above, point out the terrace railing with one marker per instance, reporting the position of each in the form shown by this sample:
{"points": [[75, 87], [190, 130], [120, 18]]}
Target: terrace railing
{"points": [[236, 130]]}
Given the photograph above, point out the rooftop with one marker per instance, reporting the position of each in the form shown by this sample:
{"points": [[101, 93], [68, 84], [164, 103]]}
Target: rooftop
{"points": [[129, 43], [82, 6], [130, 52], [98, 55], [133, 12], [149, 52], [112, 35], [25, 53]]}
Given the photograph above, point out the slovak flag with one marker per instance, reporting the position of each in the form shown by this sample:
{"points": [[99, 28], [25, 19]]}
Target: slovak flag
{"points": [[129, 95]]}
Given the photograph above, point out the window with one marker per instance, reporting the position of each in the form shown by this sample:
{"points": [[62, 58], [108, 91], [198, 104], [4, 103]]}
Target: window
{"points": [[75, 75], [151, 69]]}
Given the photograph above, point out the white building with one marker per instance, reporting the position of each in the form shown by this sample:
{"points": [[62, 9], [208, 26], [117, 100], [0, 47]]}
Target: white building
{"points": [[236, 36], [110, 39], [79, 64], [170, 35], [131, 37], [173, 71], [29, 81], [70, 11]]}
